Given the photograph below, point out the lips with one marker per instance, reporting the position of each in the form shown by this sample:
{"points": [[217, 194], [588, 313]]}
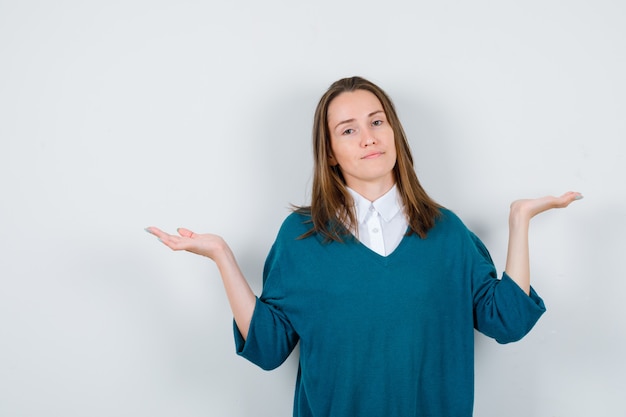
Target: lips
{"points": [[372, 155]]}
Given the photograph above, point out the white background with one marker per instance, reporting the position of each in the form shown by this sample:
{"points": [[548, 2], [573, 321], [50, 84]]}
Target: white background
{"points": [[117, 115]]}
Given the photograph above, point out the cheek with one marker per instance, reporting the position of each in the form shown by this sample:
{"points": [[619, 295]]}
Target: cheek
{"points": [[338, 151], [393, 151]]}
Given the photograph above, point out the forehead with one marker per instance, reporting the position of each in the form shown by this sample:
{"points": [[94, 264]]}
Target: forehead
{"points": [[353, 104]]}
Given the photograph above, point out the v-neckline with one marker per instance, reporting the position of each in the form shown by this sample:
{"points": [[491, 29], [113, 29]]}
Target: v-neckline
{"points": [[381, 258]]}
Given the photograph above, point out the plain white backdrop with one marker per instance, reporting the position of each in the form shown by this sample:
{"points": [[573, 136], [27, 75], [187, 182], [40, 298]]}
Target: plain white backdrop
{"points": [[117, 115]]}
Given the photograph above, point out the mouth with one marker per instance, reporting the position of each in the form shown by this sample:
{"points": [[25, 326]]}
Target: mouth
{"points": [[373, 155]]}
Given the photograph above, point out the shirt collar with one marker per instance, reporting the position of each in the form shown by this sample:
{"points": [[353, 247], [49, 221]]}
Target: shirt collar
{"points": [[388, 205]]}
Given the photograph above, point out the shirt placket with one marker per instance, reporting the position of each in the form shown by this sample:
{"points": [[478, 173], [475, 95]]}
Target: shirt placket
{"points": [[374, 228]]}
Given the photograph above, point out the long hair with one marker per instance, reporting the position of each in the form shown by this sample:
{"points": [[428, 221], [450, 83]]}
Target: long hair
{"points": [[332, 208]]}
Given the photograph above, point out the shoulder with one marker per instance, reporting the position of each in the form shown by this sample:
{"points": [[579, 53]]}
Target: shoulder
{"points": [[291, 243], [450, 225], [449, 221], [297, 220], [295, 225], [454, 226]]}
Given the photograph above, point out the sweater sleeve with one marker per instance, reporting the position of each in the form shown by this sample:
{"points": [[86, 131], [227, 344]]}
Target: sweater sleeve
{"points": [[502, 310], [271, 337]]}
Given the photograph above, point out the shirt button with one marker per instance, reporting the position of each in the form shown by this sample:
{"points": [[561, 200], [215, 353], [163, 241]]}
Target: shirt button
{"points": [[374, 230], [372, 208]]}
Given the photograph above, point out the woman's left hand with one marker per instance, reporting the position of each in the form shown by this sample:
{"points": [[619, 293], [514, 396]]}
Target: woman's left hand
{"points": [[526, 209]]}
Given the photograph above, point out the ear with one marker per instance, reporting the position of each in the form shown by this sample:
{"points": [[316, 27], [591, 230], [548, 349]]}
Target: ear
{"points": [[332, 161]]}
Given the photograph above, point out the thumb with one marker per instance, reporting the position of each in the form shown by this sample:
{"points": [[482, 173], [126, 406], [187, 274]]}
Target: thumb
{"points": [[185, 232]]}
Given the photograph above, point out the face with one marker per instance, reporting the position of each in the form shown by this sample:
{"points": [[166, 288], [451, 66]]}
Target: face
{"points": [[362, 141]]}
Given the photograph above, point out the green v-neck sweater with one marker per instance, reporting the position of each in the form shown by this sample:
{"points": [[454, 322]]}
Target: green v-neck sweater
{"points": [[383, 336]]}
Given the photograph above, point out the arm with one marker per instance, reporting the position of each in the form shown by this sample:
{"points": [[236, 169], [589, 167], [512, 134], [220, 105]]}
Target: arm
{"points": [[517, 260], [240, 296]]}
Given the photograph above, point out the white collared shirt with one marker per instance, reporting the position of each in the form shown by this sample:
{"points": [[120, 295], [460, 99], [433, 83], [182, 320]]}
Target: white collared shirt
{"points": [[382, 223]]}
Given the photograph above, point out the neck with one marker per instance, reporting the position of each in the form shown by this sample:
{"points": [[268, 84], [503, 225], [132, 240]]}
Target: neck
{"points": [[373, 191]]}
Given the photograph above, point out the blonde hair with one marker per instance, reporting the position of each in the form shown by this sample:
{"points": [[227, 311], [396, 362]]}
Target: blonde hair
{"points": [[332, 208]]}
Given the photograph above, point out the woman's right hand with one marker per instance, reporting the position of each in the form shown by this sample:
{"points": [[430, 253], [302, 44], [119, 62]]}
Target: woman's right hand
{"points": [[211, 246], [240, 296]]}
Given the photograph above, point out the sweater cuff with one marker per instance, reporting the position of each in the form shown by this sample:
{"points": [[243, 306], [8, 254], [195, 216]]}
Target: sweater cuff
{"points": [[533, 300], [240, 342]]}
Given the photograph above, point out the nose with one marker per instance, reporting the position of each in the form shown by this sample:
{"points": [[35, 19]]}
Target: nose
{"points": [[367, 139]]}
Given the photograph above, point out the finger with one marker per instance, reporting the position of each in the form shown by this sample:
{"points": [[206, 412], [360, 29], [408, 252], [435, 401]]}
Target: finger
{"points": [[171, 241], [577, 195], [573, 195], [156, 232], [185, 232], [567, 198], [174, 242]]}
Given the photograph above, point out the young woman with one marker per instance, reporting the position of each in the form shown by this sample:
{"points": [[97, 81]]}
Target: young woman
{"points": [[382, 287]]}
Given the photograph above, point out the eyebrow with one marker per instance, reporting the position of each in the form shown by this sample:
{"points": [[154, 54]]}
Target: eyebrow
{"points": [[352, 120]]}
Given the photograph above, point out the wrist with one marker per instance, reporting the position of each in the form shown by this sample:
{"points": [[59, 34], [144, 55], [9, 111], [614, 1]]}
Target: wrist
{"points": [[518, 216], [220, 250]]}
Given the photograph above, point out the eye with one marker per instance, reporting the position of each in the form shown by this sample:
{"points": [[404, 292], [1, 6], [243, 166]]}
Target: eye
{"points": [[347, 132], [377, 122]]}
